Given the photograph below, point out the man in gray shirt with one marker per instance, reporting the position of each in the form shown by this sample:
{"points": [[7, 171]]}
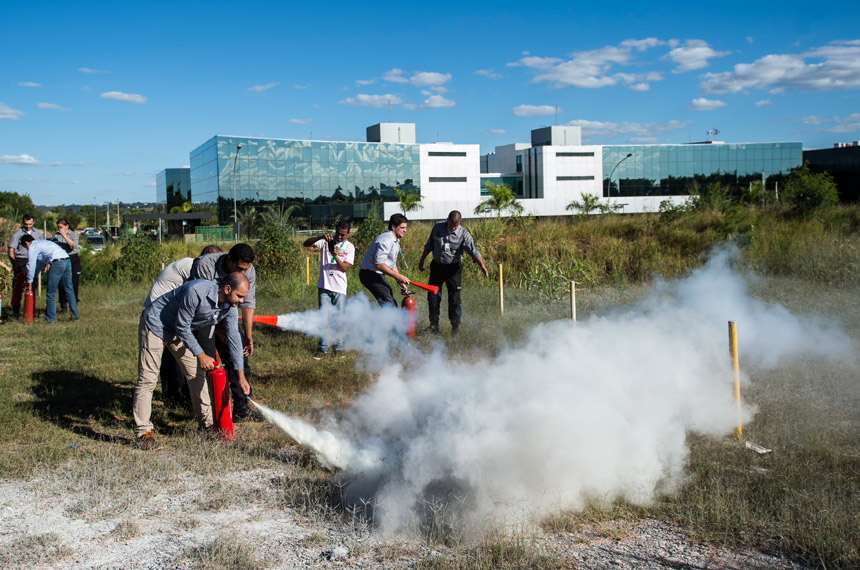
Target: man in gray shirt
{"points": [[215, 267], [448, 241], [168, 322], [18, 256], [380, 260]]}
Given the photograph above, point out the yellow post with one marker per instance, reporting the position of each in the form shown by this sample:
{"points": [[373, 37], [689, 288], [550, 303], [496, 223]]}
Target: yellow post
{"points": [[733, 352], [501, 291], [308, 269], [573, 301]]}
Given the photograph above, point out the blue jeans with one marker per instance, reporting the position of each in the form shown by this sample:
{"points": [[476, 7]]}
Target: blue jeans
{"points": [[328, 299], [60, 272]]}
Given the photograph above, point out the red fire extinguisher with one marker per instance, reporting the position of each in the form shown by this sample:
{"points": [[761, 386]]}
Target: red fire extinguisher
{"points": [[408, 305], [219, 394], [29, 303]]}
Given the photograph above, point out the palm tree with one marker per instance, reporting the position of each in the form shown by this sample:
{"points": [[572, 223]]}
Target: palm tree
{"points": [[501, 199], [409, 200], [278, 215], [249, 221], [589, 204]]}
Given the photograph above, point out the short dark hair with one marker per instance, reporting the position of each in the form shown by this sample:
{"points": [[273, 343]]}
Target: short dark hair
{"points": [[235, 280], [26, 238], [455, 215], [241, 252], [26, 217], [344, 225], [396, 220], [210, 249]]}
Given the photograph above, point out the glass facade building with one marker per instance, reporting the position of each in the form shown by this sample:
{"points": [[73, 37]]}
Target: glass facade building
{"points": [[173, 187], [327, 178], [674, 170]]}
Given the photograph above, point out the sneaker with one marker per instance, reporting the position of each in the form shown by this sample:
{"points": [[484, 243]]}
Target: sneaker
{"points": [[147, 443], [338, 353], [432, 329], [319, 354]]}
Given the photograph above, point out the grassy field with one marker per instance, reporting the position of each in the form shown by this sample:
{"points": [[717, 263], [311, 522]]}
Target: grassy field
{"points": [[66, 404]]}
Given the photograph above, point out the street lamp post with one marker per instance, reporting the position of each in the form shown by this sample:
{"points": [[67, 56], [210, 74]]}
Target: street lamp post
{"points": [[235, 218], [609, 181]]}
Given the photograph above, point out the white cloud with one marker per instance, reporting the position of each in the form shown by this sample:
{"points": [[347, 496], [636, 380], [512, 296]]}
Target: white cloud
{"points": [[633, 130], [750, 39], [150, 184], [644, 140], [51, 106], [703, 104], [373, 100], [847, 124], [128, 173], [533, 110], [694, 54], [640, 86], [494, 132], [7, 112], [261, 88], [763, 102], [592, 68], [488, 73], [58, 164], [832, 67], [365, 81], [38, 179], [301, 121], [418, 79], [29, 84], [91, 71], [120, 96], [301, 86], [78, 182], [432, 102], [19, 159]]}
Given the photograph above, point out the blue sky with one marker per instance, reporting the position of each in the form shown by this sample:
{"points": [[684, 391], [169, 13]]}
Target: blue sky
{"points": [[97, 97]]}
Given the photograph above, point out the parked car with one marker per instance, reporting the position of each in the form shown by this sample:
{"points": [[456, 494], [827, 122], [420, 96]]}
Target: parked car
{"points": [[95, 241]]}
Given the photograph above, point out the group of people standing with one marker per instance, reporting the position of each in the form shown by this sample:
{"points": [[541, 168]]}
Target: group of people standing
{"points": [[31, 253]]}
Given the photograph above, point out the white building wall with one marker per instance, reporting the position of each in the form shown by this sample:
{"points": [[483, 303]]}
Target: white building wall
{"points": [[504, 159], [438, 197]]}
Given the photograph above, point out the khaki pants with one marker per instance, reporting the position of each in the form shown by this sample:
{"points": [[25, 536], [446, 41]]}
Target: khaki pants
{"points": [[149, 361]]}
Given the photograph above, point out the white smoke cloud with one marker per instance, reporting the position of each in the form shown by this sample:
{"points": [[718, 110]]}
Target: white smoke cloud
{"points": [[595, 411]]}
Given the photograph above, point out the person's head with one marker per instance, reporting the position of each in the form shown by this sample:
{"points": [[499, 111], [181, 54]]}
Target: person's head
{"points": [[27, 222], [26, 240], [454, 220], [397, 223], [240, 258], [233, 288], [341, 231], [63, 223], [211, 249]]}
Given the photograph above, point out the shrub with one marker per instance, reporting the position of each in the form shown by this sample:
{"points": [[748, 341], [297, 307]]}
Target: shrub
{"points": [[806, 191], [277, 254], [371, 227], [140, 259]]}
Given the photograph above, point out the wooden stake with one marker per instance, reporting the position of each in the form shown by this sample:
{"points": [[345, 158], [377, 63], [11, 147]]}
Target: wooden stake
{"points": [[573, 301], [501, 291], [733, 352]]}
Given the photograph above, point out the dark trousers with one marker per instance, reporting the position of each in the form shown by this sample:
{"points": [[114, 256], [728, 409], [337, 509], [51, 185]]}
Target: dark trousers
{"points": [[19, 282], [76, 280], [212, 343], [378, 287], [174, 386], [451, 275]]}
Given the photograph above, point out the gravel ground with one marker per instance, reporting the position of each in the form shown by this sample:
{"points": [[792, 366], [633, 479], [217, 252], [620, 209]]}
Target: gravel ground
{"points": [[39, 530]]}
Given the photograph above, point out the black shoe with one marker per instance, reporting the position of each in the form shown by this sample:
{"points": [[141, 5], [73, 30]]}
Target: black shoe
{"points": [[432, 329], [62, 310], [319, 354], [247, 415], [455, 330]]}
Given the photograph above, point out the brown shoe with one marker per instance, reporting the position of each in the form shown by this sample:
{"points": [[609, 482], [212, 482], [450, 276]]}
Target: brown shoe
{"points": [[147, 443]]}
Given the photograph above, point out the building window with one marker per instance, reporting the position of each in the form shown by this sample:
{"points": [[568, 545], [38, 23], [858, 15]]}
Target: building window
{"points": [[448, 179], [566, 178], [574, 154], [436, 153], [519, 163]]}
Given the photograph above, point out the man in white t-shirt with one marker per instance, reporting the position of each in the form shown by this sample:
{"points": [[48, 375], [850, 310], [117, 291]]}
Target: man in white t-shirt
{"points": [[336, 257]]}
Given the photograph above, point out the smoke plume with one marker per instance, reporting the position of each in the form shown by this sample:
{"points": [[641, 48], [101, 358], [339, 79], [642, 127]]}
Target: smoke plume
{"points": [[570, 413]]}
